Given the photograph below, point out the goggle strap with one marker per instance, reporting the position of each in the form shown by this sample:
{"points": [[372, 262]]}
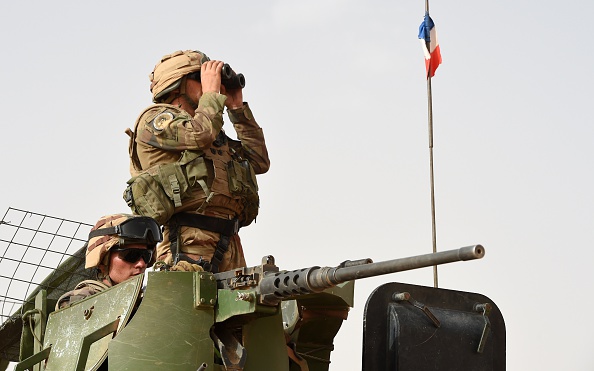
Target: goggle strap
{"points": [[103, 232], [118, 230]]}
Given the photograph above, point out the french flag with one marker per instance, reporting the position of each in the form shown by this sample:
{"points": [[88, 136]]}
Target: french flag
{"points": [[428, 38]]}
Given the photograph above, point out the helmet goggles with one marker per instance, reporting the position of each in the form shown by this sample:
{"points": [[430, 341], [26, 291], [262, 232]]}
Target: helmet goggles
{"points": [[141, 228]]}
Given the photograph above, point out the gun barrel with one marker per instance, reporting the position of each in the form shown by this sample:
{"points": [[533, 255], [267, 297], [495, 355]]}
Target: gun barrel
{"points": [[286, 284], [404, 264]]}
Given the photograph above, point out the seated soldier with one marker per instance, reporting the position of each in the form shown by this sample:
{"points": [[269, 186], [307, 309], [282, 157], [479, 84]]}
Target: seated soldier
{"points": [[120, 246]]}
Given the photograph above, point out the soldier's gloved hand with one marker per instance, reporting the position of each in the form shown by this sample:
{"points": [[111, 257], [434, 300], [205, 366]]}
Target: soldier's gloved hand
{"points": [[184, 266]]}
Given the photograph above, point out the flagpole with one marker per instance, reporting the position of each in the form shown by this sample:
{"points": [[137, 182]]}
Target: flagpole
{"points": [[433, 229], [432, 181]]}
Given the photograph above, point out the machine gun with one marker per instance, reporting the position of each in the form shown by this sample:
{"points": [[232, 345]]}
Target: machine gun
{"points": [[246, 319], [272, 286]]}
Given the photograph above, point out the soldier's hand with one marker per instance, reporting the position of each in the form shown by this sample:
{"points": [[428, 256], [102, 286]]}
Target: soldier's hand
{"points": [[210, 76], [184, 266], [234, 97]]}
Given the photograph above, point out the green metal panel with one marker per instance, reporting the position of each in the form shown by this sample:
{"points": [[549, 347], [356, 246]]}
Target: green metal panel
{"points": [[232, 303], [29, 363], [264, 341], [312, 322], [206, 291], [34, 322], [26, 345], [341, 294], [168, 331], [68, 329], [229, 305], [39, 319]]}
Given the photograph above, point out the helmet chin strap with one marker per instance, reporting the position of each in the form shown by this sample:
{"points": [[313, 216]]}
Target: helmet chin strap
{"points": [[182, 95], [104, 274], [185, 96], [105, 277]]}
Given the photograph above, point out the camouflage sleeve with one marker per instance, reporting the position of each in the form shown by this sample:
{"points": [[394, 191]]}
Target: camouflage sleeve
{"points": [[251, 137], [171, 128], [81, 291]]}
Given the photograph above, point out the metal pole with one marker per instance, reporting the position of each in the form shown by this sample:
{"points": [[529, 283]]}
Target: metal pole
{"points": [[433, 229], [430, 119]]}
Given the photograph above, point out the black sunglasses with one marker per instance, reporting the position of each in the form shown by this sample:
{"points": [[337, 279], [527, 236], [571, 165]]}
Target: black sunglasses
{"points": [[131, 255]]}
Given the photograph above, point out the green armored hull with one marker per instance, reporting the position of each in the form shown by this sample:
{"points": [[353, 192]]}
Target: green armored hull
{"points": [[181, 321]]}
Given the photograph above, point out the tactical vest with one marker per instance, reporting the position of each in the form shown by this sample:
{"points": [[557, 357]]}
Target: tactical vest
{"points": [[165, 189]]}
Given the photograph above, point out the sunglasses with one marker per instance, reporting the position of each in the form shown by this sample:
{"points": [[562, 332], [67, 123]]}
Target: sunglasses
{"points": [[131, 255]]}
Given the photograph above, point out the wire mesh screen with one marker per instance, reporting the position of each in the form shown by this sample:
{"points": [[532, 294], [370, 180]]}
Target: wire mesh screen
{"points": [[36, 252]]}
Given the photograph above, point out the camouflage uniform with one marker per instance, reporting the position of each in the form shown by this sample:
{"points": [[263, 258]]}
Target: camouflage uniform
{"points": [[82, 290], [163, 131]]}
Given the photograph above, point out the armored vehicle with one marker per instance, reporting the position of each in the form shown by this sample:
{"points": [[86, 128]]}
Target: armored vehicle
{"points": [[253, 318]]}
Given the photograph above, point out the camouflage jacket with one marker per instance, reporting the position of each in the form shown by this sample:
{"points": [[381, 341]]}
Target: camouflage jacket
{"points": [[163, 131], [82, 290]]}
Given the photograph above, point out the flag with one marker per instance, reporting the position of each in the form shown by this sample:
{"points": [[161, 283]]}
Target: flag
{"points": [[428, 38]]}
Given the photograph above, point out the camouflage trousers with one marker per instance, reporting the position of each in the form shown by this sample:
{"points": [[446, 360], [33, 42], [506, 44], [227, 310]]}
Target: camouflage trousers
{"points": [[201, 244]]}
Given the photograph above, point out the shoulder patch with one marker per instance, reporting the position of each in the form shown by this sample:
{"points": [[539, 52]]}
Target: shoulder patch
{"points": [[162, 120]]}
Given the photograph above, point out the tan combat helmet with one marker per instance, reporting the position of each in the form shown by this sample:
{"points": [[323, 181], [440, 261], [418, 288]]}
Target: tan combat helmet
{"points": [[167, 74], [118, 230]]}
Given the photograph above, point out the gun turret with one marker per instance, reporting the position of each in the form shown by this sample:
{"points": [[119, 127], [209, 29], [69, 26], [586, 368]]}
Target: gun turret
{"points": [[212, 321], [274, 286]]}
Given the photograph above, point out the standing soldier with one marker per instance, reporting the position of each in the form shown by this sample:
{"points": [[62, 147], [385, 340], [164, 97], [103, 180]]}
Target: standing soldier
{"points": [[186, 172]]}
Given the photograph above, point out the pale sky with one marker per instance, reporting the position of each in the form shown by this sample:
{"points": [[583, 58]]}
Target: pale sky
{"points": [[339, 89]]}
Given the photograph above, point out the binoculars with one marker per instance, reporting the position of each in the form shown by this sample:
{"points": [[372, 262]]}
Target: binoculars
{"points": [[229, 79]]}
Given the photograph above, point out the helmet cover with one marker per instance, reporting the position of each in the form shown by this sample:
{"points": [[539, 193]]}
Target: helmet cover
{"points": [[167, 74]]}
